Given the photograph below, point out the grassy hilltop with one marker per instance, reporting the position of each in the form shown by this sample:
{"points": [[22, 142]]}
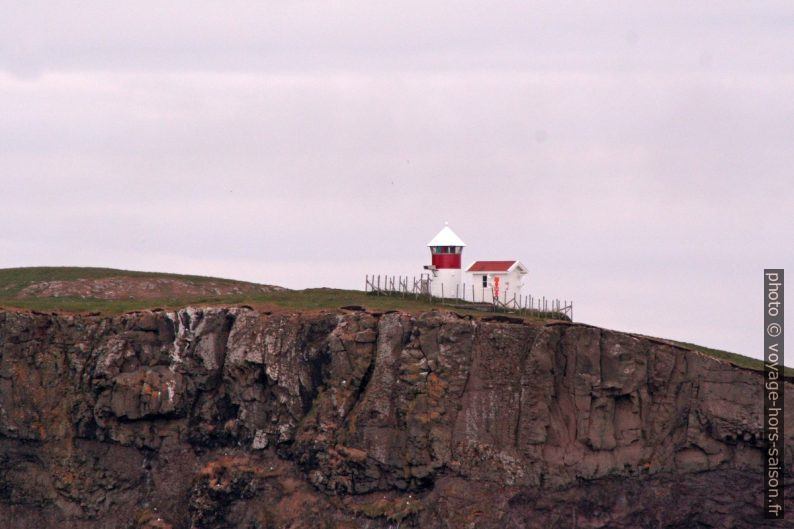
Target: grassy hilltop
{"points": [[112, 291], [22, 288]]}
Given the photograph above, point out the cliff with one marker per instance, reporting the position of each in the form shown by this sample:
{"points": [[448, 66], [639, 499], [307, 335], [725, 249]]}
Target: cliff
{"points": [[228, 417]]}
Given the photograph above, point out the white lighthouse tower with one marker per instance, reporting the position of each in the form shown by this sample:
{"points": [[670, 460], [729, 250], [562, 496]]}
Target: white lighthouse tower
{"points": [[446, 249]]}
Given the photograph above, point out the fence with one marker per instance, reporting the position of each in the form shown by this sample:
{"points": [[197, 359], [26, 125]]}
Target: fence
{"points": [[408, 286], [398, 285]]}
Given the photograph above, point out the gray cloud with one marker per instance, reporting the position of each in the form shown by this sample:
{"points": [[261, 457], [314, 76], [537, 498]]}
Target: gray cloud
{"points": [[638, 159]]}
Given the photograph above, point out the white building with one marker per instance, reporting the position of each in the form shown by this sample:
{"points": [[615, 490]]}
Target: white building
{"points": [[482, 281], [490, 279]]}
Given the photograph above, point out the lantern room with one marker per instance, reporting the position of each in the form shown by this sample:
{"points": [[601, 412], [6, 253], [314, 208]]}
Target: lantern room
{"points": [[446, 256], [446, 249]]}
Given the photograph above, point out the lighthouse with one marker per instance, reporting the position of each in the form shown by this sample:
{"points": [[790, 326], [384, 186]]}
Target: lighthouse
{"points": [[446, 249]]}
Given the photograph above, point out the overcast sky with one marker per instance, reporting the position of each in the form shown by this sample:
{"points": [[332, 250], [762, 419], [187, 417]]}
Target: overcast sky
{"points": [[637, 157]]}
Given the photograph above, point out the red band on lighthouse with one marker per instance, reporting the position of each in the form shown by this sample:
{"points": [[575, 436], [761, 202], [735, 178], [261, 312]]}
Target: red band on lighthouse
{"points": [[446, 260]]}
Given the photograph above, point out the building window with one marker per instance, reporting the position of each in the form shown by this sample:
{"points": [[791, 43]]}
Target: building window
{"points": [[484, 281]]}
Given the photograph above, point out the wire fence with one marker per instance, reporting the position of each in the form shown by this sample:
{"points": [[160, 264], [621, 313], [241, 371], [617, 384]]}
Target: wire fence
{"points": [[468, 296]]}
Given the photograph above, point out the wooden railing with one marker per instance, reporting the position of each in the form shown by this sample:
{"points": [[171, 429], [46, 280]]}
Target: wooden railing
{"points": [[407, 286]]}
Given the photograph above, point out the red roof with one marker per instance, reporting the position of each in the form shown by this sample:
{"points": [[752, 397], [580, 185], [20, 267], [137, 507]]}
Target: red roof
{"points": [[490, 266]]}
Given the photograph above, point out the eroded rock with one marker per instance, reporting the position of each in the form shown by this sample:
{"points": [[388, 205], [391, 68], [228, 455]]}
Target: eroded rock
{"points": [[227, 417]]}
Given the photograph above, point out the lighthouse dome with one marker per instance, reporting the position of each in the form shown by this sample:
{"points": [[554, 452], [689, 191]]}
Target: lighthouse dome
{"points": [[446, 237]]}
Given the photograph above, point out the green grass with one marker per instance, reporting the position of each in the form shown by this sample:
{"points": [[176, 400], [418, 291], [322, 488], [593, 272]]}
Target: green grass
{"points": [[13, 280], [308, 299]]}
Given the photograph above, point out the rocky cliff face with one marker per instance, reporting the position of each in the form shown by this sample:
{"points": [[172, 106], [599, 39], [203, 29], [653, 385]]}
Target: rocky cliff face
{"points": [[230, 418]]}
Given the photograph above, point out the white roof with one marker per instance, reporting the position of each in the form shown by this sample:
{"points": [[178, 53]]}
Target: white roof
{"points": [[446, 237]]}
